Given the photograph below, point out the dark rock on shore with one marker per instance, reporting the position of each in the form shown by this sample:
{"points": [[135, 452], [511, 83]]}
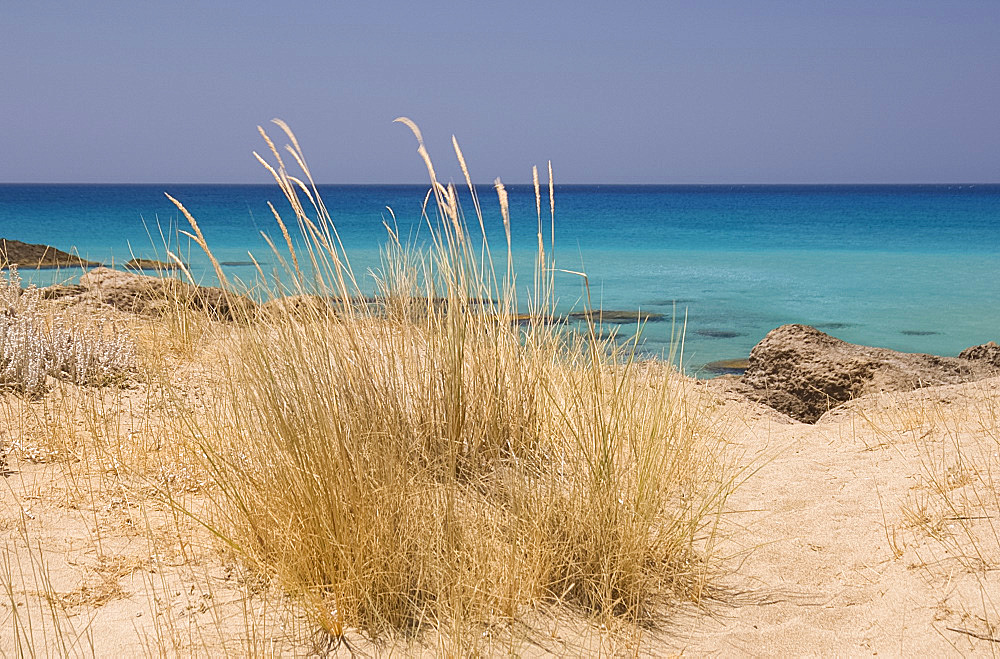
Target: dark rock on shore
{"points": [[29, 255], [803, 372], [151, 264], [59, 291], [988, 353], [155, 295]]}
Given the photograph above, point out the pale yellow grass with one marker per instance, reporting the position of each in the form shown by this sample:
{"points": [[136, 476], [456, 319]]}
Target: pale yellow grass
{"points": [[427, 465]]}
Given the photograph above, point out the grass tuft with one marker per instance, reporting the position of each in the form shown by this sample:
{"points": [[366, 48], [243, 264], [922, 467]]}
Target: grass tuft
{"points": [[424, 462]]}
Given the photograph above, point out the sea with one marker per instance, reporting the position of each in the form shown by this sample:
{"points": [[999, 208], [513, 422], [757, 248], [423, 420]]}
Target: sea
{"points": [[914, 268]]}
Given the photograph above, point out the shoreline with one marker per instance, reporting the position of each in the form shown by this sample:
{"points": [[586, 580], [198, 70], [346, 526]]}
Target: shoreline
{"points": [[795, 369], [892, 267], [713, 334], [611, 321]]}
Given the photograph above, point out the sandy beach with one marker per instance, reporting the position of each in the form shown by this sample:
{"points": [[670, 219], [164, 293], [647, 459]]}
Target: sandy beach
{"points": [[870, 531]]}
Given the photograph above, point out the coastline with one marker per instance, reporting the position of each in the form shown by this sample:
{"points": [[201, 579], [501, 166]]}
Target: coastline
{"points": [[620, 322], [882, 265], [797, 370]]}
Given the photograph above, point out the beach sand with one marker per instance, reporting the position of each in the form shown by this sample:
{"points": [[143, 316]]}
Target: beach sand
{"points": [[869, 532]]}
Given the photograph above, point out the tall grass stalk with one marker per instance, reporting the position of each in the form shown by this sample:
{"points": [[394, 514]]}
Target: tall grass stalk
{"points": [[423, 461]]}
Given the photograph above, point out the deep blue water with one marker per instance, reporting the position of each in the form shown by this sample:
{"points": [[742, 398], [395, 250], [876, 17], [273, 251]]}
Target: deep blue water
{"points": [[913, 268]]}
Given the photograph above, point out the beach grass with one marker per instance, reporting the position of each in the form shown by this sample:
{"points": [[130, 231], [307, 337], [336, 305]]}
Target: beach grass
{"points": [[427, 463]]}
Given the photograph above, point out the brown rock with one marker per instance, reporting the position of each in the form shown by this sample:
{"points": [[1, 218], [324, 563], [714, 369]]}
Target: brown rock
{"points": [[59, 291], [151, 264], [144, 294], [29, 255], [988, 353], [803, 372]]}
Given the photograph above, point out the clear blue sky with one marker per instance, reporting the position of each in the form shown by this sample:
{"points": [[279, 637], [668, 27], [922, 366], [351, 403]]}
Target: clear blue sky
{"points": [[646, 92]]}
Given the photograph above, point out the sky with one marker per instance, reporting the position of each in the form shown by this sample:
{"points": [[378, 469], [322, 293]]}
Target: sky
{"points": [[798, 91]]}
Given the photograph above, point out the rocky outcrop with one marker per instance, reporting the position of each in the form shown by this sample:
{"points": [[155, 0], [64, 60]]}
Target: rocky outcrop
{"points": [[151, 264], [29, 255], [803, 372], [988, 353], [154, 295]]}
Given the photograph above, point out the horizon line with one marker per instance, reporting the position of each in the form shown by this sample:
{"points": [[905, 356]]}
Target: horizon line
{"points": [[520, 183]]}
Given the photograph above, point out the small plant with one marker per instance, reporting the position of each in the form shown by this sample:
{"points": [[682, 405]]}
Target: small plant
{"points": [[36, 345]]}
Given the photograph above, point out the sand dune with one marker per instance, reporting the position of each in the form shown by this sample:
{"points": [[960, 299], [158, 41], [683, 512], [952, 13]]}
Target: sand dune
{"points": [[872, 531]]}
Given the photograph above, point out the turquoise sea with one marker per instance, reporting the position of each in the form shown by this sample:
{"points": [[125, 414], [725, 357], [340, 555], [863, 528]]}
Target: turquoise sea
{"points": [[913, 268]]}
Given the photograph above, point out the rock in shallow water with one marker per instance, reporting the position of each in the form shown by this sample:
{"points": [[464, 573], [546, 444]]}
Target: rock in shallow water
{"points": [[803, 372], [717, 333], [152, 264]]}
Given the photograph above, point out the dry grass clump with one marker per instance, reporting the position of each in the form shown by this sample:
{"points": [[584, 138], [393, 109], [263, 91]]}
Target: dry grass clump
{"points": [[36, 345], [428, 463]]}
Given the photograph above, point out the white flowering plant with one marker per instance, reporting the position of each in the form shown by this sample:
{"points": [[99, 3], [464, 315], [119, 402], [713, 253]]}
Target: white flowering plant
{"points": [[36, 345]]}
